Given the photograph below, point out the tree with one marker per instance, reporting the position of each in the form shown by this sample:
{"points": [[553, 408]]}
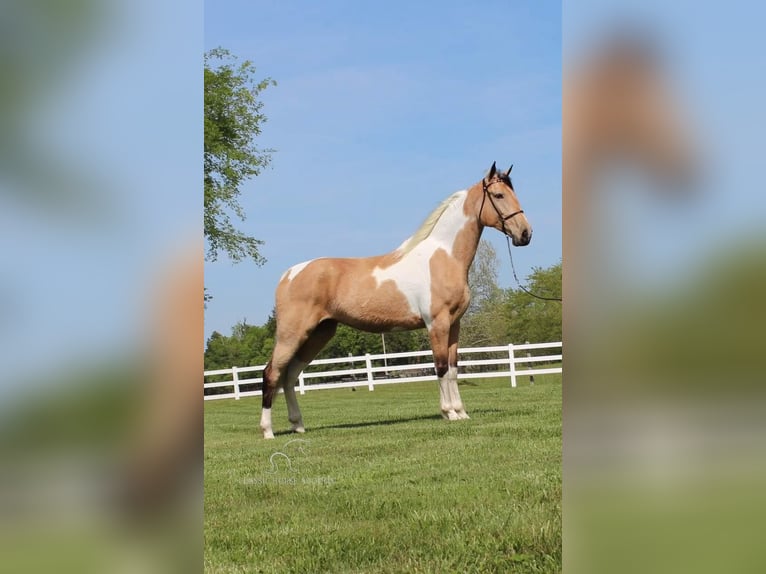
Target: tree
{"points": [[221, 353], [482, 277], [349, 341], [248, 345], [482, 324], [355, 343], [233, 118], [531, 319]]}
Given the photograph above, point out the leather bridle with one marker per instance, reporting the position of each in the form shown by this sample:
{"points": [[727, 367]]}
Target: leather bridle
{"points": [[485, 187], [503, 218]]}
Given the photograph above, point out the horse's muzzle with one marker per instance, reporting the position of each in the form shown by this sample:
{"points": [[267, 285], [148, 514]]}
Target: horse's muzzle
{"points": [[523, 239]]}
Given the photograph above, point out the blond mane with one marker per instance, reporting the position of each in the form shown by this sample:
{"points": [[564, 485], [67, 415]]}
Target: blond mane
{"points": [[428, 225]]}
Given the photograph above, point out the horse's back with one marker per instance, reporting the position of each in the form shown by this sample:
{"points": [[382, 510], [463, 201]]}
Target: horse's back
{"points": [[321, 280]]}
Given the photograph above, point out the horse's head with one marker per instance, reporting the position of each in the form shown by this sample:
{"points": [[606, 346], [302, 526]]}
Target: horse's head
{"points": [[500, 208], [630, 113]]}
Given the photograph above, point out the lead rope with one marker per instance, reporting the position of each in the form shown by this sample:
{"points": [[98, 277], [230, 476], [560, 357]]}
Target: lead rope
{"points": [[485, 187], [510, 255]]}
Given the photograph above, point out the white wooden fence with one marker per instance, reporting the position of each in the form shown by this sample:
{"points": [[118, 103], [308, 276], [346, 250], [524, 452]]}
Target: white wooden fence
{"points": [[382, 369]]}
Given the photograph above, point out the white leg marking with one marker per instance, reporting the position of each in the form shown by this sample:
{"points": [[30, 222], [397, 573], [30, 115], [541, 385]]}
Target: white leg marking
{"points": [[266, 423], [447, 407], [456, 401], [444, 397]]}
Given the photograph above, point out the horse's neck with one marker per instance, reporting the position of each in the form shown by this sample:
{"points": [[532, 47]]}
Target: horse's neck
{"points": [[456, 233]]}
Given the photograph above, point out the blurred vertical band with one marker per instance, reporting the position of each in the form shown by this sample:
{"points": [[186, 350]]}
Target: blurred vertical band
{"points": [[101, 287], [664, 275]]}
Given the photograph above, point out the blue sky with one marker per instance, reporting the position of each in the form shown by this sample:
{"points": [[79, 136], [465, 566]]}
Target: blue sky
{"points": [[381, 111]]}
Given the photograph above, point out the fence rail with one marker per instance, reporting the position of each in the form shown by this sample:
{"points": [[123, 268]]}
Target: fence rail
{"points": [[375, 369]]}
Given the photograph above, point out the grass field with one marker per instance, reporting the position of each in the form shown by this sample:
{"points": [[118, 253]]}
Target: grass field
{"points": [[380, 483]]}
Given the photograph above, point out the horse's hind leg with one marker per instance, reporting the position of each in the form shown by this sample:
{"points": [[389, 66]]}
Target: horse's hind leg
{"points": [[293, 412], [275, 374], [290, 357], [315, 343], [272, 376]]}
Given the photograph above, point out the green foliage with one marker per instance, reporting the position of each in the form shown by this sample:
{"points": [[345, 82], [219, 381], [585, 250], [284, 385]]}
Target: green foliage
{"points": [[497, 316], [531, 319], [480, 325], [354, 343], [482, 277], [403, 341], [233, 118], [248, 345]]}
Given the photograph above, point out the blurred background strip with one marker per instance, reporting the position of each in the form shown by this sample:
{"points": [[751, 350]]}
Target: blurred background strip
{"points": [[664, 275], [101, 285]]}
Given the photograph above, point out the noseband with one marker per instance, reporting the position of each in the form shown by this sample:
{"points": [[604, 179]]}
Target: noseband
{"points": [[503, 218]]}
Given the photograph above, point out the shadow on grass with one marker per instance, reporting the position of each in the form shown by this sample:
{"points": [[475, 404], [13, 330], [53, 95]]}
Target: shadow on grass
{"points": [[378, 423], [387, 422], [486, 411], [467, 383]]}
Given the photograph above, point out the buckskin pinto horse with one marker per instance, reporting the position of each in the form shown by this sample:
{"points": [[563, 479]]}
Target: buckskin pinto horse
{"points": [[422, 283]]}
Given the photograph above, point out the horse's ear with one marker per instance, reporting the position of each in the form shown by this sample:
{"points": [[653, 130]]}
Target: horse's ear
{"points": [[492, 171], [509, 170]]}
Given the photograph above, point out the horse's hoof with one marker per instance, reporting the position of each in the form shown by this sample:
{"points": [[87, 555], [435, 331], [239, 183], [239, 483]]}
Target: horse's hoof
{"points": [[268, 434], [299, 429], [452, 415], [463, 415]]}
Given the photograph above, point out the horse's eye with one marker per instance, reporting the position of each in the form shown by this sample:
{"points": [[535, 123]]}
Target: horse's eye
{"points": [[498, 195]]}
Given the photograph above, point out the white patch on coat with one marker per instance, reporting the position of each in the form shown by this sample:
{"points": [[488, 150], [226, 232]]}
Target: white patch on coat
{"points": [[412, 273], [294, 270]]}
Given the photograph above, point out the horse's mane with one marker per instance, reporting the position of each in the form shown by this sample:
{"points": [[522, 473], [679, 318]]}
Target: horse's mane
{"points": [[428, 225]]}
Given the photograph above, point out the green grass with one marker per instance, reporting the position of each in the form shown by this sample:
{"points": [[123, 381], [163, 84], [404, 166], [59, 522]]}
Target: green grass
{"points": [[383, 484]]}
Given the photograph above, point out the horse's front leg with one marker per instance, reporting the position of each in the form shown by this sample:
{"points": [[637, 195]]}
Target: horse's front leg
{"points": [[455, 400], [440, 345]]}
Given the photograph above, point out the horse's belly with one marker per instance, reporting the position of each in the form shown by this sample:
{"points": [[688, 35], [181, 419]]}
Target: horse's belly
{"points": [[379, 316]]}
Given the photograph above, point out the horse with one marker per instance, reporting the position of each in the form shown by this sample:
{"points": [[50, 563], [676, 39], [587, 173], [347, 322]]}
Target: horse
{"points": [[421, 284]]}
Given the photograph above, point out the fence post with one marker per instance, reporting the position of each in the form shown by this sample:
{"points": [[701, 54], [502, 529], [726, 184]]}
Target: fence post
{"points": [[531, 377], [512, 362], [301, 385], [235, 378], [370, 384]]}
